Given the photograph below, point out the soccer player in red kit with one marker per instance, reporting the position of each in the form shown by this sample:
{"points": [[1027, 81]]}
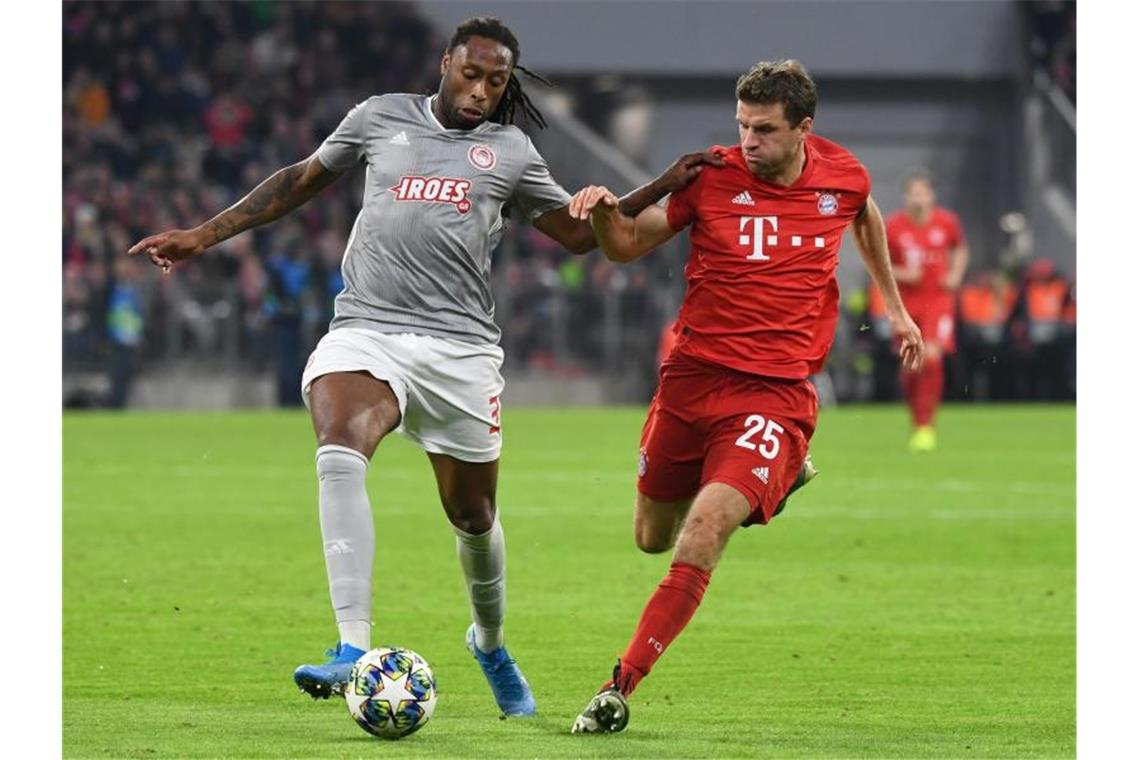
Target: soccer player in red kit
{"points": [[929, 254], [728, 430]]}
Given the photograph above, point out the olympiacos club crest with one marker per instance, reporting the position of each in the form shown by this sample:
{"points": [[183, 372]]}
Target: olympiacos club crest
{"points": [[481, 157]]}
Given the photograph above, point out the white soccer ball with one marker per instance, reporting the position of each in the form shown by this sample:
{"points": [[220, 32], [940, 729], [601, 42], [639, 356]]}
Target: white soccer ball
{"points": [[391, 692]]}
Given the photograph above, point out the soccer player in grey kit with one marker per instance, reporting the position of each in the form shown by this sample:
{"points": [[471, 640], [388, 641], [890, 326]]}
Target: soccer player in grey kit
{"points": [[413, 346]]}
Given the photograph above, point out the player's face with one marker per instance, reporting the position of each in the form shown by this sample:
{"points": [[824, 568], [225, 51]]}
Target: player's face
{"points": [[770, 144], [475, 76], [918, 197]]}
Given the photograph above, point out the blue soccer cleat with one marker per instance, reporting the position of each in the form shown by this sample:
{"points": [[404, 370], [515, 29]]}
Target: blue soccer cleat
{"points": [[510, 688], [322, 681]]}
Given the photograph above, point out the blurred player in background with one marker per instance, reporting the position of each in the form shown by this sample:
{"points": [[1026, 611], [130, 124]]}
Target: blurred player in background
{"points": [[930, 255], [728, 430], [413, 345]]}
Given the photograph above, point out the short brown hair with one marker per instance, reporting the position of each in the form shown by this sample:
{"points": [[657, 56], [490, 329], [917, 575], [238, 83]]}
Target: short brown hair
{"points": [[918, 175], [784, 82]]}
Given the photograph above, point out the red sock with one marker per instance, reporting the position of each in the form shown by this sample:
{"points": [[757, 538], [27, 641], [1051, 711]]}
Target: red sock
{"points": [[664, 617], [910, 385], [928, 392]]}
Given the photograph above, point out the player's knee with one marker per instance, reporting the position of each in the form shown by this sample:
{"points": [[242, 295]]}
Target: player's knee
{"points": [[476, 525], [472, 515], [652, 541], [702, 540], [343, 435]]}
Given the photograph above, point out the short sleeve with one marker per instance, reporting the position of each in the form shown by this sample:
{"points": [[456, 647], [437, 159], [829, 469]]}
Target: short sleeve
{"points": [[536, 191], [344, 148], [681, 210]]}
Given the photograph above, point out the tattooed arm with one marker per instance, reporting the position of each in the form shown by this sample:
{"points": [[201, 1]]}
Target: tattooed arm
{"points": [[284, 191]]}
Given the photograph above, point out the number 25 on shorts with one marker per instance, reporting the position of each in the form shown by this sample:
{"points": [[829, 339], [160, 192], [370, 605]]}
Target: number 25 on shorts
{"points": [[769, 445]]}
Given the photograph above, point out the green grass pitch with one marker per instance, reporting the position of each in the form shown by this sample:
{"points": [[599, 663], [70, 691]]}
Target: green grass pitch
{"points": [[902, 606]]}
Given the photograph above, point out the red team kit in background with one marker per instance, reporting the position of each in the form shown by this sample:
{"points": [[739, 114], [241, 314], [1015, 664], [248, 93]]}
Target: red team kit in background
{"points": [[926, 247]]}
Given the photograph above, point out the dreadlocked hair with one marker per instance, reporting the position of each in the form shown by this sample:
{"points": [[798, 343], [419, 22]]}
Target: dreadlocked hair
{"points": [[514, 98]]}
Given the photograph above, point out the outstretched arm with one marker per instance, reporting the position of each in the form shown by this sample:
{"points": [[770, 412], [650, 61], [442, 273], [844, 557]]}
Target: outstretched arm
{"points": [[577, 235], [871, 240], [622, 238], [287, 189]]}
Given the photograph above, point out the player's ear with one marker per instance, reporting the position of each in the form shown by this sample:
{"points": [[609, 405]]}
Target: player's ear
{"points": [[444, 63], [805, 125]]}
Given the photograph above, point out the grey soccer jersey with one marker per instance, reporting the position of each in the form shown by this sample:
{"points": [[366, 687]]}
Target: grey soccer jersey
{"points": [[419, 256]]}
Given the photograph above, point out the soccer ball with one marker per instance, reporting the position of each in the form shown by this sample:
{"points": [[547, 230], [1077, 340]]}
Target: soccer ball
{"points": [[391, 692]]}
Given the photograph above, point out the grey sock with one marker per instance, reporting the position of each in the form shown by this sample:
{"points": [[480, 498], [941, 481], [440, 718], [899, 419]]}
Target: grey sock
{"points": [[349, 538], [484, 561]]}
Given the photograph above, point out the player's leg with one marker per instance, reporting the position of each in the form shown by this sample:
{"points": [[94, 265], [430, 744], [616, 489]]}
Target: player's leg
{"points": [[668, 472], [910, 381], [351, 412], [454, 415], [718, 510], [938, 330], [752, 462], [467, 492], [657, 523]]}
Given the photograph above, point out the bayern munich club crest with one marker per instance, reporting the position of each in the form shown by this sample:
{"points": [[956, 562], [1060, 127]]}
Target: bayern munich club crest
{"points": [[828, 204], [481, 157]]}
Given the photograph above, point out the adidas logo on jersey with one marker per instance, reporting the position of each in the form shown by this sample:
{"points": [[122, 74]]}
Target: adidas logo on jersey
{"points": [[744, 199], [762, 473], [401, 138]]}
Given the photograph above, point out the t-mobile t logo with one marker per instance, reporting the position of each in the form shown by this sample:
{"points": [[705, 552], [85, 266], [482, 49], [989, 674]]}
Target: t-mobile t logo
{"points": [[759, 233], [752, 233]]}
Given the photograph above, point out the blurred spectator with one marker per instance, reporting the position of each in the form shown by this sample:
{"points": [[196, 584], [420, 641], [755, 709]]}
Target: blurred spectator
{"points": [[1042, 334], [290, 287], [124, 328], [984, 306]]}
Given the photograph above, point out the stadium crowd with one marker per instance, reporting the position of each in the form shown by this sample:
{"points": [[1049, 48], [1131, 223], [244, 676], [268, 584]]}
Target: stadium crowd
{"points": [[172, 111]]}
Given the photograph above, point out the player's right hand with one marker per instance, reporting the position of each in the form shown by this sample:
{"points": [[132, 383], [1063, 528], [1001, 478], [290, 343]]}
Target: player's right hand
{"points": [[590, 197], [686, 168], [168, 248], [911, 348]]}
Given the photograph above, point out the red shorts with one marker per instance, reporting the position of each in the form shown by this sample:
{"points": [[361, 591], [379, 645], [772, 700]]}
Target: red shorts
{"points": [[934, 316], [710, 424]]}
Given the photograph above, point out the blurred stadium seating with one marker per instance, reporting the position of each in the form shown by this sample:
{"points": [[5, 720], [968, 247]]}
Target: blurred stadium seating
{"points": [[174, 110]]}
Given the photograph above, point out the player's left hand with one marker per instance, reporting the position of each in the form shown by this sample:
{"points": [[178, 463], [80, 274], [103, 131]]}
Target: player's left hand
{"points": [[911, 348], [590, 197], [951, 283], [686, 169]]}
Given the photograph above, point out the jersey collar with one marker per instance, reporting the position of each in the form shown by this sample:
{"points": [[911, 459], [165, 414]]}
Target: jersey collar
{"points": [[426, 106]]}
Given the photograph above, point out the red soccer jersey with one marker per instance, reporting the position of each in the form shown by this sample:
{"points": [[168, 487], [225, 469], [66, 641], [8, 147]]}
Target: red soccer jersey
{"points": [[926, 246], [762, 296]]}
